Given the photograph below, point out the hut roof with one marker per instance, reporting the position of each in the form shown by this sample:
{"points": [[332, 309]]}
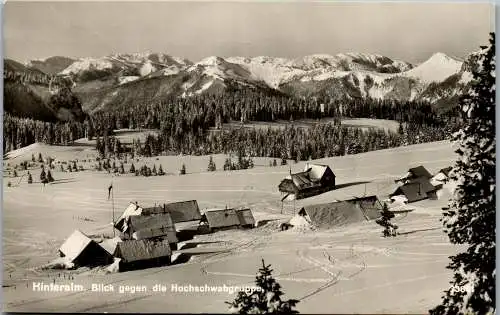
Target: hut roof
{"points": [[309, 178], [153, 210], [152, 226], [316, 171], [136, 250], [110, 244], [425, 184], [333, 214], [74, 245], [420, 171], [140, 222], [303, 180], [169, 233], [246, 217], [222, 218], [132, 210], [446, 171], [412, 191], [181, 211], [370, 205], [287, 185]]}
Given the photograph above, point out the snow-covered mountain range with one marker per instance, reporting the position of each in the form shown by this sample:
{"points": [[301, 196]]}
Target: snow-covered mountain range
{"points": [[352, 75]]}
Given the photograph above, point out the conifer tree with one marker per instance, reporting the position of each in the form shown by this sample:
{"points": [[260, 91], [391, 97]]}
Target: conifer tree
{"points": [[132, 168], [43, 175], [40, 159], [183, 169], [122, 169], [266, 300], [160, 171], [75, 169], [385, 222], [33, 157], [154, 172], [470, 219], [275, 163], [227, 164], [211, 165], [49, 177], [30, 178]]}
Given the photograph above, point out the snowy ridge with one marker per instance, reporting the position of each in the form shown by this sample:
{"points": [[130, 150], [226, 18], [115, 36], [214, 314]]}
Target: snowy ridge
{"points": [[348, 74], [85, 64], [144, 62]]}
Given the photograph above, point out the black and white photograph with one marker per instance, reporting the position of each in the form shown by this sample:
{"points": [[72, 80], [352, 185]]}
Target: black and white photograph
{"points": [[249, 157]]}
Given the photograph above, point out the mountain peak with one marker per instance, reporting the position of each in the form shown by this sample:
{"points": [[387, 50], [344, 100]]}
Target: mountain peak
{"points": [[437, 68], [212, 61], [442, 57]]}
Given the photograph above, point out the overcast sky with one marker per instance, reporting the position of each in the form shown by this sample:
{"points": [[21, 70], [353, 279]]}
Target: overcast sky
{"points": [[194, 30]]}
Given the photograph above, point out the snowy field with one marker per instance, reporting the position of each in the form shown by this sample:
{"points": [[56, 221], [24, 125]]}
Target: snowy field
{"points": [[348, 269]]}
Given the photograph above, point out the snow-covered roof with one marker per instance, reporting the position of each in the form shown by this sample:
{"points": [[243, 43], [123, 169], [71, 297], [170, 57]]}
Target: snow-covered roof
{"points": [[75, 245]]}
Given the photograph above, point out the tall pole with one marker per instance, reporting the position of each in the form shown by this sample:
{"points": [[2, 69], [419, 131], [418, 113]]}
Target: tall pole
{"points": [[113, 205]]}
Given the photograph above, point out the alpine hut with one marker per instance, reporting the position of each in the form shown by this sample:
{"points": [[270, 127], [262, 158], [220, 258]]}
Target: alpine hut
{"points": [[223, 219], [314, 180], [343, 212], [181, 211], [411, 191], [142, 253], [415, 172], [441, 177], [246, 218], [80, 250], [152, 226]]}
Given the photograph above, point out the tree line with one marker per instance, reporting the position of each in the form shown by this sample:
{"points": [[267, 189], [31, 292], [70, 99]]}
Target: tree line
{"points": [[186, 124], [20, 132], [291, 142], [202, 112]]}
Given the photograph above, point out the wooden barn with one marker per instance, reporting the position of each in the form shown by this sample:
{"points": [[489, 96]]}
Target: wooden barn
{"points": [[441, 177], [181, 211], [152, 226], [246, 218], [415, 172], [223, 219], [417, 185], [314, 180], [417, 189], [80, 250], [343, 212], [144, 253]]}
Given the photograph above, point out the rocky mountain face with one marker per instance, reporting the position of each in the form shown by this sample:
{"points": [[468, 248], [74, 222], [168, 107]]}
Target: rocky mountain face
{"points": [[144, 77]]}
